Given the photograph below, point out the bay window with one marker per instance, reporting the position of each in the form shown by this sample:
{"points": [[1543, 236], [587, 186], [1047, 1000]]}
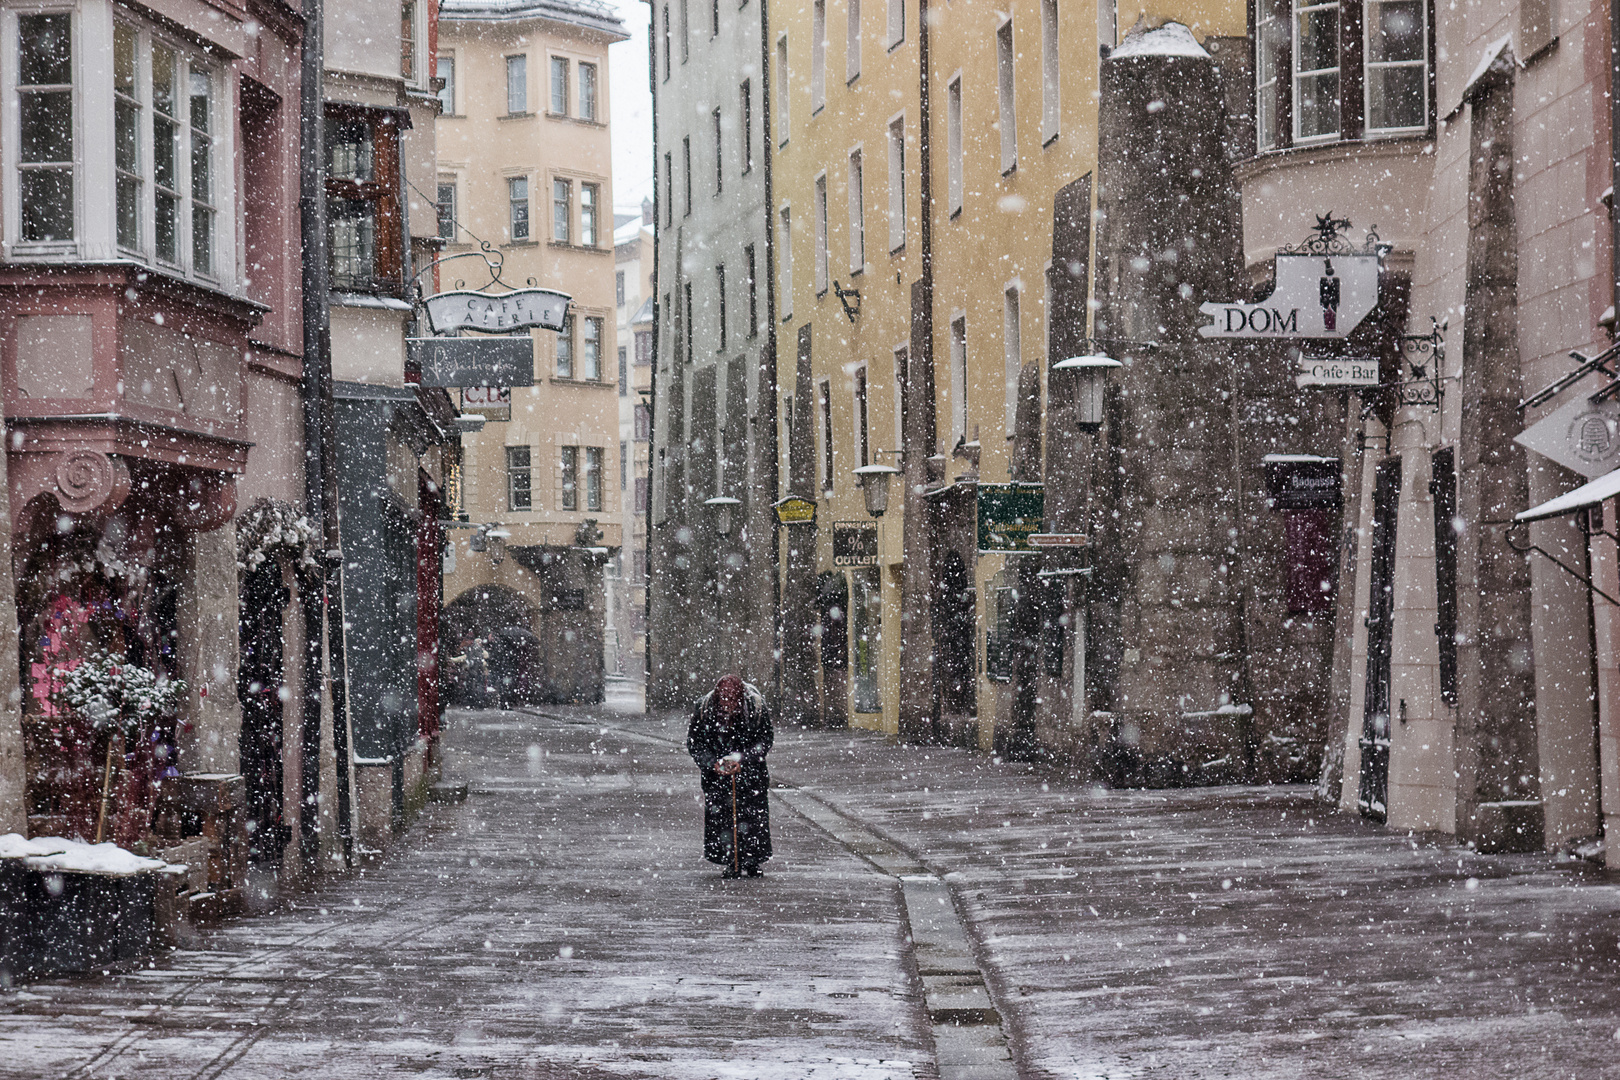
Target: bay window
{"points": [[1329, 70], [158, 195]]}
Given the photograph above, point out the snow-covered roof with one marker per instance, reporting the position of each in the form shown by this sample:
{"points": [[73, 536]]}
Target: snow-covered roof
{"points": [[591, 14], [1589, 494], [75, 856], [1171, 39], [643, 314], [627, 232]]}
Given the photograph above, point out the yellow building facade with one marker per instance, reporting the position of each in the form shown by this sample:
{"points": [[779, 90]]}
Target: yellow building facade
{"points": [[525, 167], [1011, 122]]}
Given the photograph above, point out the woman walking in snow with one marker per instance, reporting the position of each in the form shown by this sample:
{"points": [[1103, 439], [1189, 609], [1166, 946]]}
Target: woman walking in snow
{"points": [[729, 736]]}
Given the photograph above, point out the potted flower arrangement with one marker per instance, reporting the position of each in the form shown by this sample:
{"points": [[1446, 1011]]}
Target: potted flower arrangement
{"points": [[119, 699]]}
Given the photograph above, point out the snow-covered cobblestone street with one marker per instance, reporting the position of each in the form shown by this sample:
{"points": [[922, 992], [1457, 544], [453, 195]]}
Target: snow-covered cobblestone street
{"points": [[560, 923]]}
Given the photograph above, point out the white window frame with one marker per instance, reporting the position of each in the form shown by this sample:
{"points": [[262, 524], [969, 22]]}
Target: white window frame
{"points": [[953, 144], [556, 63], [1012, 345], [447, 94], [521, 85], [1298, 75], [959, 373], [95, 225], [1051, 74], [897, 182], [784, 265], [857, 211], [1369, 66], [419, 42], [896, 22], [783, 113], [852, 43], [818, 56], [821, 233], [860, 428], [901, 357], [1006, 95]]}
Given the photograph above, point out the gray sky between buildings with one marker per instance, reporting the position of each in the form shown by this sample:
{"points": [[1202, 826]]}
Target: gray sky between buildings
{"points": [[632, 110]]}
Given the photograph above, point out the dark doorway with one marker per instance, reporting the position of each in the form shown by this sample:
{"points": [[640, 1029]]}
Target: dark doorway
{"points": [[260, 684], [1373, 796], [953, 617]]}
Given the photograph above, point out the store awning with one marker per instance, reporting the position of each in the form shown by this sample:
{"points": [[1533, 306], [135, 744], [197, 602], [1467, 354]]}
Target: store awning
{"points": [[1589, 494]]}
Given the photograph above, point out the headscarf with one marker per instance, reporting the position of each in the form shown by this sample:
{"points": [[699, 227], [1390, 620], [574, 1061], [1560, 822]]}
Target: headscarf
{"points": [[728, 700]]}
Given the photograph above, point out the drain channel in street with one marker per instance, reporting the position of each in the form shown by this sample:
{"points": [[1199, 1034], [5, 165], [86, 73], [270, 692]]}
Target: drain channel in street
{"points": [[969, 1043]]}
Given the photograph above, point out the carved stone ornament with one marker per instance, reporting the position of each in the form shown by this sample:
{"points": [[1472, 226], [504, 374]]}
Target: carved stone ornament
{"points": [[87, 478]]}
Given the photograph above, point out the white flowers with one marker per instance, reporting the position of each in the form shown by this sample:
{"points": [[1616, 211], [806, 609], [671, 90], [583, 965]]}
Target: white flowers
{"points": [[273, 530], [103, 687]]}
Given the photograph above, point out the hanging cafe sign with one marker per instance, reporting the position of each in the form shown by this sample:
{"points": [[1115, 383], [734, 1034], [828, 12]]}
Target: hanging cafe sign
{"points": [[1324, 288], [493, 362]]}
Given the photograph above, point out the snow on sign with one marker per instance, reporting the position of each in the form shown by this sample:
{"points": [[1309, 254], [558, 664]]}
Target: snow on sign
{"points": [[523, 309], [1324, 288]]}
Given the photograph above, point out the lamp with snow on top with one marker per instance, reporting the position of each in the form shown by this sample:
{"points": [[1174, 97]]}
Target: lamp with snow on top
{"points": [[1092, 371], [874, 481], [722, 506]]}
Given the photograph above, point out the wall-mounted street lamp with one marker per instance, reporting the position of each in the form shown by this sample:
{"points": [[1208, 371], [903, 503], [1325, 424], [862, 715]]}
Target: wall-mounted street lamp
{"points": [[1092, 371], [874, 481], [722, 504]]}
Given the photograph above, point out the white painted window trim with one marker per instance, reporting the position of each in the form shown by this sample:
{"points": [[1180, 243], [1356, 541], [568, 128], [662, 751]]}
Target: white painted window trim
{"points": [[857, 208], [953, 143], [95, 217], [897, 180], [1012, 348]]}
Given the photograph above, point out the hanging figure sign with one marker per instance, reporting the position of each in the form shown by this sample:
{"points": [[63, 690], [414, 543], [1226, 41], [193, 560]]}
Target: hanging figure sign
{"points": [[1324, 288]]}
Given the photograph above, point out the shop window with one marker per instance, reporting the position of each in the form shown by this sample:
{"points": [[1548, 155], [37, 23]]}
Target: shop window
{"points": [[362, 153], [1344, 69]]}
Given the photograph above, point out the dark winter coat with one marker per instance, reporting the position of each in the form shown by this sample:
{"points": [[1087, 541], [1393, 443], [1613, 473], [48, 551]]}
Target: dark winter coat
{"points": [[707, 741]]}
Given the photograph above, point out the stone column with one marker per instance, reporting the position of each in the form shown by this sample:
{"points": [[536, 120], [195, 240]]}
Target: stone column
{"points": [[1498, 784], [212, 716], [1165, 480]]}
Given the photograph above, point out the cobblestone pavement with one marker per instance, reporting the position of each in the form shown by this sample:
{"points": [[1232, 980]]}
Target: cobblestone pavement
{"points": [[560, 924]]}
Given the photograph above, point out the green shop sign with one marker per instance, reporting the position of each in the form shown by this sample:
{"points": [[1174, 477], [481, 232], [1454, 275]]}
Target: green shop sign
{"points": [[1008, 514]]}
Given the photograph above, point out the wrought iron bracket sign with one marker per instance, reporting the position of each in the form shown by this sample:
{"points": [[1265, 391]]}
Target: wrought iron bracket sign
{"points": [[1422, 383], [1324, 288]]}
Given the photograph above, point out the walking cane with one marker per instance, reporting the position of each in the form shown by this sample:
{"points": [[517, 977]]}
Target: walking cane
{"points": [[736, 856]]}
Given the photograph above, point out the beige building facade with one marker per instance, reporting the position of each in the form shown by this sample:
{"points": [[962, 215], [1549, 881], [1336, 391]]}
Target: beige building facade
{"points": [[525, 168]]}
